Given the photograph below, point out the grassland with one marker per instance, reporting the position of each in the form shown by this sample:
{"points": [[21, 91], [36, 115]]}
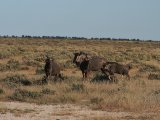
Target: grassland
{"points": [[21, 72]]}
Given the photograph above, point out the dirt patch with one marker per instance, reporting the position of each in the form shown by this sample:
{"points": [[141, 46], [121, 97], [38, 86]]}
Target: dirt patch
{"points": [[27, 111]]}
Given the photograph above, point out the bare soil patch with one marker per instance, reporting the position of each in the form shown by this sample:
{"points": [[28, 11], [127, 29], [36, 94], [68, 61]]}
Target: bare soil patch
{"points": [[30, 111]]}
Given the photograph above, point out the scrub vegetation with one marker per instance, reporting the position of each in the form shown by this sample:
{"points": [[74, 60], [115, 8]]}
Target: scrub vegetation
{"points": [[22, 63]]}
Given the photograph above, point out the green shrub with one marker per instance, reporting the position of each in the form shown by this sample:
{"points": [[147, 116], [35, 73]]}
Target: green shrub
{"points": [[68, 64], [9, 51], [96, 100], [100, 77], [32, 63], [154, 76], [156, 57], [3, 68], [4, 54], [48, 91], [149, 68], [40, 70], [1, 91], [21, 95], [13, 65], [17, 79], [78, 87]]}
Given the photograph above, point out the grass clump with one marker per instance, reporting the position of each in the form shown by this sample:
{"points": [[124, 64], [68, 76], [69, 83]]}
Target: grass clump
{"points": [[154, 76], [148, 68], [1, 91], [13, 65], [17, 79], [3, 68], [10, 66], [100, 77], [48, 91], [96, 100], [40, 70], [78, 87], [21, 95]]}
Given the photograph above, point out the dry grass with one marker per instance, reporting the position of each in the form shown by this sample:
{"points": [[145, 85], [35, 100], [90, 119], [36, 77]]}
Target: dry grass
{"points": [[138, 94]]}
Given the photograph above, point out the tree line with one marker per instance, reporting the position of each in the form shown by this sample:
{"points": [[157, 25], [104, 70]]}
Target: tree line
{"points": [[72, 38]]}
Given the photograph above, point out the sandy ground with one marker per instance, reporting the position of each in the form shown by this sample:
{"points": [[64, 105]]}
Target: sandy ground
{"points": [[30, 111]]}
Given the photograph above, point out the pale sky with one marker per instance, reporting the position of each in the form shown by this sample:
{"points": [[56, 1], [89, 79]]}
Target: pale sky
{"points": [[81, 18]]}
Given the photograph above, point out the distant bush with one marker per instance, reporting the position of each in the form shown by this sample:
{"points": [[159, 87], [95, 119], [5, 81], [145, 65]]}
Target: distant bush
{"points": [[68, 64], [40, 70], [149, 68], [96, 100], [78, 87], [8, 52], [24, 68], [48, 91], [13, 65], [32, 63], [21, 95], [3, 68], [30, 60], [1, 91], [156, 57], [154, 76], [4, 54], [99, 77], [17, 79]]}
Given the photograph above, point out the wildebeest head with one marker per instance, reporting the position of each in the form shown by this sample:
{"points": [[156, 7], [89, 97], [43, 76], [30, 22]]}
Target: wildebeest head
{"points": [[129, 66], [48, 60], [79, 57]]}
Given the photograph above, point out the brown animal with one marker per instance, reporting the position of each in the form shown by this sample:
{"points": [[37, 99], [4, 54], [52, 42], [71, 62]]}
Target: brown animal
{"points": [[51, 68], [88, 63], [113, 67]]}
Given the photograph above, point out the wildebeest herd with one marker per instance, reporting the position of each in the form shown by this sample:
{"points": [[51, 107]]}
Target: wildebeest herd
{"points": [[88, 63]]}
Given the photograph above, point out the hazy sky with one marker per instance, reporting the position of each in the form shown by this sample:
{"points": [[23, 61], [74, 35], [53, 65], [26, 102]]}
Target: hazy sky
{"points": [[81, 18]]}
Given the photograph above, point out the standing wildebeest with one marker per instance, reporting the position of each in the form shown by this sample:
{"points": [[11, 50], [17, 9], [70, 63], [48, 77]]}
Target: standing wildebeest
{"points": [[88, 63], [113, 67], [51, 68]]}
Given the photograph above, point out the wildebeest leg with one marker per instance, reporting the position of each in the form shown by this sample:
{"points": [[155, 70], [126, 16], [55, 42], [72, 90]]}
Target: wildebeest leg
{"points": [[103, 71], [128, 76], [86, 74], [109, 77], [106, 73], [83, 74], [113, 77], [47, 78], [60, 76]]}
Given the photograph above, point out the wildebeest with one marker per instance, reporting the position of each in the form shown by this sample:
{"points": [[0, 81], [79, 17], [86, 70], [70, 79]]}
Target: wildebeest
{"points": [[88, 63], [114, 67], [51, 68]]}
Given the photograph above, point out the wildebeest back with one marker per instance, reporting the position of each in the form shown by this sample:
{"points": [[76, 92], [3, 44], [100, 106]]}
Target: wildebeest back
{"points": [[96, 63]]}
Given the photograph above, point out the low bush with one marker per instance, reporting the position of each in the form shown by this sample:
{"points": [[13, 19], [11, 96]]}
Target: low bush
{"points": [[154, 76], [96, 100], [48, 91], [17, 79], [1, 91], [78, 87], [13, 65], [10, 66], [40, 70], [149, 68], [99, 77], [21, 95]]}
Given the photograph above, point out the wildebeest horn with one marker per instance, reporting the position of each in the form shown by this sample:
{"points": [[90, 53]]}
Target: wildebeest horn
{"points": [[47, 57]]}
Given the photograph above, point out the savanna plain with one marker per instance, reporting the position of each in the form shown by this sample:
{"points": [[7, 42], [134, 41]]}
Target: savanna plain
{"points": [[23, 95]]}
